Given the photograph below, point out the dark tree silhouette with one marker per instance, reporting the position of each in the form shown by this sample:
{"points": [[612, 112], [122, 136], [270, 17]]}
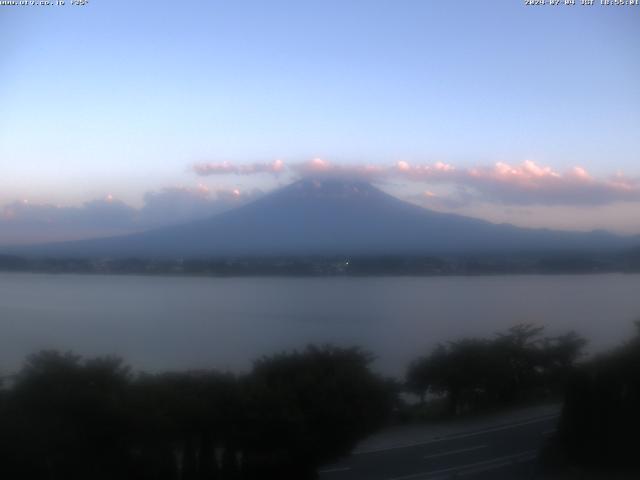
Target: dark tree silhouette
{"points": [[515, 366], [181, 420], [69, 418], [600, 420], [313, 406]]}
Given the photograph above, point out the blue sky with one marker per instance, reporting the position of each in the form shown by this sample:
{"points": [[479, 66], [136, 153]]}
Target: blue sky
{"points": [[123, 98]]}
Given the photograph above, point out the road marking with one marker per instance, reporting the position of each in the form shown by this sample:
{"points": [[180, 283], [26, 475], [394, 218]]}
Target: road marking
{"points": [[473, 467], [461, 435], [453, 452], [335, 470], [509, 460]]}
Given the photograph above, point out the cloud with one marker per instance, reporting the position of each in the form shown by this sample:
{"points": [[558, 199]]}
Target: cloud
{"points": [[532, 184], [226, 168], [110, 213], [25, 222], [527, 183], [181, 204], [460, 197], [319, 167]]}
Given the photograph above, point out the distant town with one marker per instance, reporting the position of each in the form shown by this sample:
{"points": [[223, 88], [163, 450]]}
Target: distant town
{"points": [[482, 264]]}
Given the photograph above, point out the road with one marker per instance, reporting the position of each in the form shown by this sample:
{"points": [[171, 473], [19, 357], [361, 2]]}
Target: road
{"points": [[500, 452]]}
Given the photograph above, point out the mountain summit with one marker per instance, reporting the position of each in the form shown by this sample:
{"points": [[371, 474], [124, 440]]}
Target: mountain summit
{"points": [[322, 216]]}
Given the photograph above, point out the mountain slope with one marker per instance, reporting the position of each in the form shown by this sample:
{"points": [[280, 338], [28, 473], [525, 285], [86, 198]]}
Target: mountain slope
{"points": [[328, 217]]}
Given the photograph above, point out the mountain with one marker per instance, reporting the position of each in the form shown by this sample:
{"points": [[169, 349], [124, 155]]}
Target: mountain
{"points": [[333, 217]]}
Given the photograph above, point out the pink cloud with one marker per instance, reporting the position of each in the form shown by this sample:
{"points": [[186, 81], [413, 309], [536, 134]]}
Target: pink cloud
{"points": [[321, 167], [226, 168], [22, 221], [422, 171], [524, 183], [530, 183]]}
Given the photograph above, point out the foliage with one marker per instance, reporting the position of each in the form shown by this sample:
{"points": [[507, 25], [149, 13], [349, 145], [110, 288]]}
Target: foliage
{"points": [[517, 365], [600, 419], [69, 418], [314, 405]]}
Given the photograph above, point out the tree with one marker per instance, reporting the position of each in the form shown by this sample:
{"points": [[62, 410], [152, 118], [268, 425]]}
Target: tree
{"points": [[180, 419], [68, 418], [313, 406], [600, 418], [510, 367], [71, 418]]}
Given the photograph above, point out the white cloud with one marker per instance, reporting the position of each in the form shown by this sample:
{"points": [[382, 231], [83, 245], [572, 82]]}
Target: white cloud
{"points": [[527, 183], [25, 222], [227, 168]]}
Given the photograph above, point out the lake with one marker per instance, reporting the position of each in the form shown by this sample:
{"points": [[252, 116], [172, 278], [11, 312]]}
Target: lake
{"points": [[159, 323]]}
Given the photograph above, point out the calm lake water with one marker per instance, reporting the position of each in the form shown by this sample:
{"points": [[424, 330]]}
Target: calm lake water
{"points": [[182, 322]]}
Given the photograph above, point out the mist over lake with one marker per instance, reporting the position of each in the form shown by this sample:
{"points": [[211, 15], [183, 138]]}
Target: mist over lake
{"points": [[159, 323]]}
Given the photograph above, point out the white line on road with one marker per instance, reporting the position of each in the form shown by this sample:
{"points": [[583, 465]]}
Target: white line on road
{"points": [[503, 462], [473, 467], [453, 452], [458, 436]]}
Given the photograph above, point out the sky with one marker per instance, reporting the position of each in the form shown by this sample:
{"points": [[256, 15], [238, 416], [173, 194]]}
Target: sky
{"points": [[120, 116]]}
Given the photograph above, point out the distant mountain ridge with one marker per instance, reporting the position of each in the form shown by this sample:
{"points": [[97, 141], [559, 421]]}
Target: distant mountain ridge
{"points": [[320, 216]]}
